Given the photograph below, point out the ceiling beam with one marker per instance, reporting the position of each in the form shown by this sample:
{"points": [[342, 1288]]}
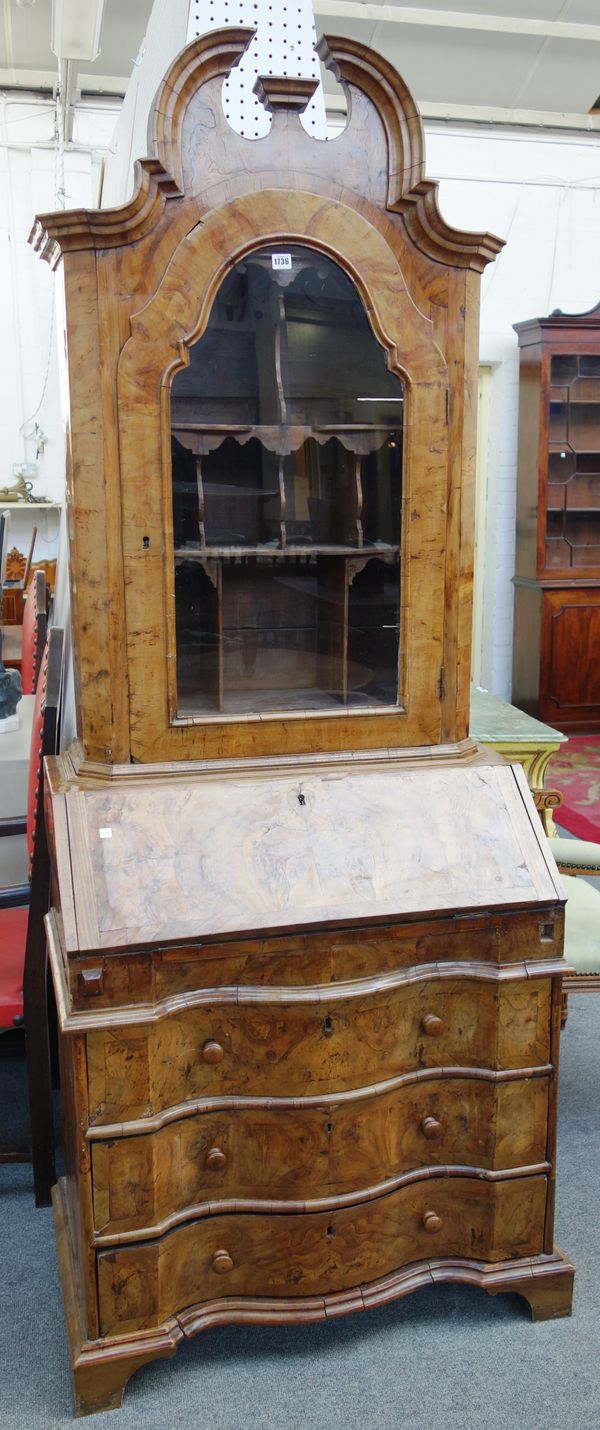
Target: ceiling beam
{"points": [[17, 78], [489, 115], [455, 20], [7, 32]]}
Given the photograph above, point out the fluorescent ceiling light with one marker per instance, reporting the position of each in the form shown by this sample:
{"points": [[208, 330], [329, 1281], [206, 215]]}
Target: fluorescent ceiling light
{"points": [[380, 399], [76, 26]]}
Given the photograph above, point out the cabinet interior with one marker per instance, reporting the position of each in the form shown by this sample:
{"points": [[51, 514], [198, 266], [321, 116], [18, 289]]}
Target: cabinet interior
{"points": [[287, 444]]}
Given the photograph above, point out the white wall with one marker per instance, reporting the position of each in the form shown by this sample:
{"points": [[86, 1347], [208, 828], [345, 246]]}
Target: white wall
{"points": [[540, 190], [28, 361], [29, 368]]}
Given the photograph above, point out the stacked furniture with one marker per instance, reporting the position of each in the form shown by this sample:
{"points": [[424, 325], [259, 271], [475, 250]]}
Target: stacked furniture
{"points": [[23, 960], [306, 937], [557, 596]]}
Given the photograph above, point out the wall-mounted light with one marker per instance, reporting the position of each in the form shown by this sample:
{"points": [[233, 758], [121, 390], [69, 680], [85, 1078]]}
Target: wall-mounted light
{"points": [[76, 27]]}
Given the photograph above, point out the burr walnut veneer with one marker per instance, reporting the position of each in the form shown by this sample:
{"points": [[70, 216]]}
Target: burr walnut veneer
{"points": [[310, 1022], [305, 938]]}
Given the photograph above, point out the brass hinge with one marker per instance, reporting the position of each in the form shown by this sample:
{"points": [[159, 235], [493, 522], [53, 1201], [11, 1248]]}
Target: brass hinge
{"points": [[442, 683]]}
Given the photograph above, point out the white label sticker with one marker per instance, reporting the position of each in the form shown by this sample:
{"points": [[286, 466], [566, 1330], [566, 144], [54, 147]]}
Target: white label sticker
{"points": [[281, 260], [105, 833]]}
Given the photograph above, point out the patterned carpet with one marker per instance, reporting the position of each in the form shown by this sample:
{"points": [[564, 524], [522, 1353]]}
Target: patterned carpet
{"points": [[575, 771]]}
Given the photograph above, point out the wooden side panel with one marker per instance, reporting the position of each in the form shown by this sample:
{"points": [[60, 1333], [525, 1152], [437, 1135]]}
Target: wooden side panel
{"points": [[463, 346], [526, 647], [321, 1252], [77, 1154], [291, 1049], [532, 451], [94, 527]]}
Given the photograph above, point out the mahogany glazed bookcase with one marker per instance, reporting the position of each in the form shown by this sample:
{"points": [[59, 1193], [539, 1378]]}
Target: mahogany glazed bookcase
{"points": [[306, 938], [556, 672]]}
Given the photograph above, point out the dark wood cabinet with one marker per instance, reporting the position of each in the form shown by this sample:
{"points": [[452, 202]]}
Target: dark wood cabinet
{"points": [[306, 938], [557, 599]]}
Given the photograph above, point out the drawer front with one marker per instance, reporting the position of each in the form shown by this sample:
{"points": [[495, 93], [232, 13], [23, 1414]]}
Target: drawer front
{"points": [[331, 1044], [316, 1253], [344, 1146], [302, 959]]}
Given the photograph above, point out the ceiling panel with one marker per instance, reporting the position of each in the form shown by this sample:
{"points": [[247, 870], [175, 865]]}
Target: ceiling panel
{"points": [[500, 68], [580, 12], [571, 71], [25, 35], [456, 69], [25, 39], [441, 63]]}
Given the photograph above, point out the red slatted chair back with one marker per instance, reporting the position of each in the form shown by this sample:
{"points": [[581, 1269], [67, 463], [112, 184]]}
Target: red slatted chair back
{"points": [[35, 775], [34, 633]]}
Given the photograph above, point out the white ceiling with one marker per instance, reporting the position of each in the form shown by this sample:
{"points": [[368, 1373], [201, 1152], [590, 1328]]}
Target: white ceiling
{"points": [[541, 55], [27, 61], [536, 55]]}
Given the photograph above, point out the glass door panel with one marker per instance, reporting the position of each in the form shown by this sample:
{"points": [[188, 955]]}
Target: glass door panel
{"points": [[287, 438], [573, 491]]}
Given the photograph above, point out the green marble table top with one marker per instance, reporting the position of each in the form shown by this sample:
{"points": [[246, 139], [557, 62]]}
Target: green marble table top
{"points": [[495, 721]]}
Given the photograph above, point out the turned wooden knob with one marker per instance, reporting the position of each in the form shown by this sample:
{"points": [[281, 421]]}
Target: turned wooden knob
{"points": [[431, 1128], [222, 1262], [432, 1025], [215, 1159], [432, 1222], [212, 1052]]}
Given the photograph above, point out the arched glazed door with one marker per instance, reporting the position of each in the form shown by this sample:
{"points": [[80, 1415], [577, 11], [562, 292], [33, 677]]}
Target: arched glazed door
{"points": [[286, 442]]}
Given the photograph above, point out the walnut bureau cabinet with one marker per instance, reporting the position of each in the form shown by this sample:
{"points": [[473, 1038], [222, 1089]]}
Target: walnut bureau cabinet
{"points": [[306, 937], [556, 672]]}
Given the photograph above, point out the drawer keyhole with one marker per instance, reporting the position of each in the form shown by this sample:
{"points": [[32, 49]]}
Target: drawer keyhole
{"points": [[329, 1233], [328, 1026]]}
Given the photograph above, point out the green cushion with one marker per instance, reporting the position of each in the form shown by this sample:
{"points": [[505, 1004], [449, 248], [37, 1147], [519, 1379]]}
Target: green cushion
{"points": [[582, 925], [578, 852]]}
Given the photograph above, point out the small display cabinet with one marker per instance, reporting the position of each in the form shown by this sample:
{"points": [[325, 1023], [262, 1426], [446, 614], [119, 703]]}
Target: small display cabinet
{"points": [[306, 938], [556, 672]]}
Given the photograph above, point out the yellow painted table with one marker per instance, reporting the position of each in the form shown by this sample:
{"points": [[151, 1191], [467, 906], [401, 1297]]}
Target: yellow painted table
{"points": [[520, 739]]}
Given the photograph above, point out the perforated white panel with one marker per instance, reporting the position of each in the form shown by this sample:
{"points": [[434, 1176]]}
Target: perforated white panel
{"points": [[283, 44]]}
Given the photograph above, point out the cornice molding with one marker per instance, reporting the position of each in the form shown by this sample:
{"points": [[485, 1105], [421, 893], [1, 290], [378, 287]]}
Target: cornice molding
{"points": [[160, 177], [410, 193]]}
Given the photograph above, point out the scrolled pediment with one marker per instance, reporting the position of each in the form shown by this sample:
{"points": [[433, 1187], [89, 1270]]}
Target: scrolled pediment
{"points": [[195, 154]]}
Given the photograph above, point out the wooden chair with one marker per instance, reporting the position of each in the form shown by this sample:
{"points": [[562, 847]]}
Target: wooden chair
{"points": [[23, 646], [578, 860], [23, 971]]}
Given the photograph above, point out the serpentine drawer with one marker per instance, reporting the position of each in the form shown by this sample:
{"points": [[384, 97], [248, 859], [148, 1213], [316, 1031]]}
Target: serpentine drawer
{"points": [[316, 1253], [261, 1150], [283, 1043]]}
